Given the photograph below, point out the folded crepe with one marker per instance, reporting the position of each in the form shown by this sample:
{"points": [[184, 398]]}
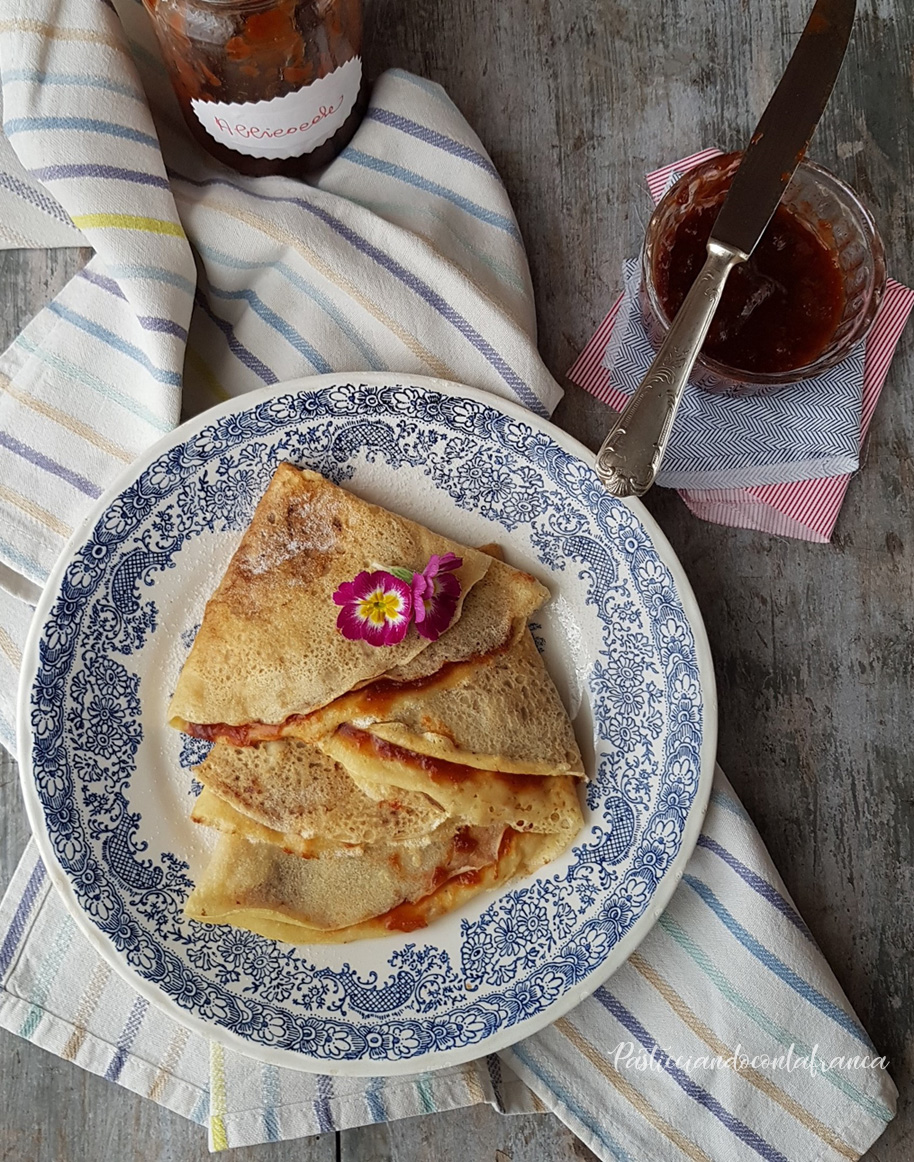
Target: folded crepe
{"points": [[328, 900], [330, 892], [500, 712], [293, 789], [352, 857], [268, 646], [358, 790], [523, 802]]}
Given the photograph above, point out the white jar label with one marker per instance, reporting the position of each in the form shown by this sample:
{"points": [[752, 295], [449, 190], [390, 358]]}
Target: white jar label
{"points": [[285, 126]]}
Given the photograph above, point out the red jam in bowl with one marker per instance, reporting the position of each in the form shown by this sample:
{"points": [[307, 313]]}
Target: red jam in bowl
{"points": [[781, 309]]}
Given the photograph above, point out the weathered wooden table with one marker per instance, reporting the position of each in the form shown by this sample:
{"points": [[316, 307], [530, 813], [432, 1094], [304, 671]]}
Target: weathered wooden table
{"points": [[814, 645]]}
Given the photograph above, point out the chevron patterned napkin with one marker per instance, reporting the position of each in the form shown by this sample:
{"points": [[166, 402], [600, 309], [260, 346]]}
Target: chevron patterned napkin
{"points": [[405, 255], [780, 463], [718, 441]]}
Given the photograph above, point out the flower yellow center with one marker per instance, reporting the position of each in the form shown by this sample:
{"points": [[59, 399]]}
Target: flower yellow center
{"points": [[380, 606]]}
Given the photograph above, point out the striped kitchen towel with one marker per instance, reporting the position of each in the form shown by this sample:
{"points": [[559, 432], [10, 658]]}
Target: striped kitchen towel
{"points": [[724, 1038], [107, 1028], [777, 463], [404, 256]]}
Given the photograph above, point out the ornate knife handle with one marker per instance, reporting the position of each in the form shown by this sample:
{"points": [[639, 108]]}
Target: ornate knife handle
{"points": [[630, 457]]}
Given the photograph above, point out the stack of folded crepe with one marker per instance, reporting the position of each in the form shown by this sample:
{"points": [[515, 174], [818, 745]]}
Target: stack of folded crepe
{"points": [[360, 790]]}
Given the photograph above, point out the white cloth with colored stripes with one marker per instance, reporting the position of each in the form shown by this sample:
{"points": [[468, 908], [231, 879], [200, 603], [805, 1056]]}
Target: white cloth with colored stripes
{"points": [[404, 256]]}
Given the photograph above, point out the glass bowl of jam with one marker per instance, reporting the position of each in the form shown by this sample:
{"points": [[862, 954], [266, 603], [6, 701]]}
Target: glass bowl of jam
{"points": [[266, 86], [805, 298]]}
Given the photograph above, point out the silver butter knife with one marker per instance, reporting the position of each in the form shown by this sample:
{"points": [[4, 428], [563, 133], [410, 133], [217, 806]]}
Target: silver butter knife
{"points": [[630, 457]]}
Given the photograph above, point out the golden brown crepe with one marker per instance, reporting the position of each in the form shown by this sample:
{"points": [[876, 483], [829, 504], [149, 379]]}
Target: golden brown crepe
{"points": [[523, 802], [271, 893], [293, 788], [330, 892], [501, 713], [268, 645], [360, 790]]}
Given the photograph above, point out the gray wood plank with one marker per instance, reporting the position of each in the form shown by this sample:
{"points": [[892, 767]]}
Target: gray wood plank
{"points": [[575, 100]]}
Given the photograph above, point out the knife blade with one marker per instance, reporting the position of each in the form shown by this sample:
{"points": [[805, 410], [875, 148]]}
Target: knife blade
{"points": [[631, 454], [782, 136]]}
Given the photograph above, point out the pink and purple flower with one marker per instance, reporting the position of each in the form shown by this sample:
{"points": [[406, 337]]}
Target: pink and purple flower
{"points": [[435, 594], [376, 607]]}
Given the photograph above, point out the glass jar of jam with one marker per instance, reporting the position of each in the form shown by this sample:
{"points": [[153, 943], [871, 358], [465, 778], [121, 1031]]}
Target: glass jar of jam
{"points": [[266, 86], [807, 295]]}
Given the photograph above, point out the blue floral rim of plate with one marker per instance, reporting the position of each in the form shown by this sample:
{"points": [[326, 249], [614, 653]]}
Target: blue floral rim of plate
{"points": [[533, 944]]}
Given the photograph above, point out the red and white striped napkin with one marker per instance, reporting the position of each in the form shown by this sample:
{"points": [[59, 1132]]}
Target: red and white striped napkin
{"points": [[806, 509]]}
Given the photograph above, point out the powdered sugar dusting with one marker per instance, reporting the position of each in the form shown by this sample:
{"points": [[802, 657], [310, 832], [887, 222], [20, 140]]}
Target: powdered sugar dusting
{"points": [[308, 528], [268, 557], [312, 517]]}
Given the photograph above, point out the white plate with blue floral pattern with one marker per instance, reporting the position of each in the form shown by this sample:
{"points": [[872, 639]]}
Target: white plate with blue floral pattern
{"points": [[109, 790]]}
